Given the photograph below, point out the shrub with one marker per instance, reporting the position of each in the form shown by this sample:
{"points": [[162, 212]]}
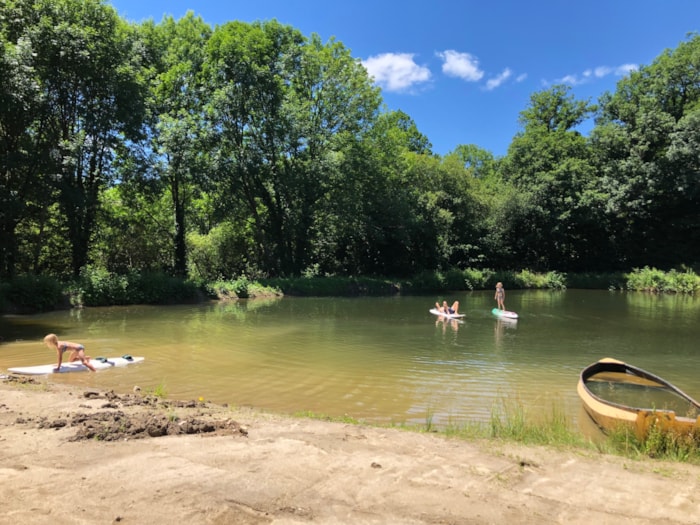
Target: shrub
{"points": [[479, 279], [455, 279], [31, 293], [99, 287], [426, 282], [555, 280], [596, 281], [655, 280]]}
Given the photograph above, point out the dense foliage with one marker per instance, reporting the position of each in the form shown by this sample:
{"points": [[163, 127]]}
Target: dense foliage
{"points": [[249, 151]]}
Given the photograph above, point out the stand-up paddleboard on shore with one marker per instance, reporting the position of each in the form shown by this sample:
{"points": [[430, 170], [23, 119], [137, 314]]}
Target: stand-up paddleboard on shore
{"points": [[435, 311], [100, 363], [504, 314]]}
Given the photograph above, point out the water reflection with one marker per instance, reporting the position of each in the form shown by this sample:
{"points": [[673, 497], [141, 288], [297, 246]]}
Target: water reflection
{"points": [[502, 324], [444, 322]]}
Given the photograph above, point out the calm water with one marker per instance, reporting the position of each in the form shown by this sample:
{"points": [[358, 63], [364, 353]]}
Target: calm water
{"points": [[381, 359]]}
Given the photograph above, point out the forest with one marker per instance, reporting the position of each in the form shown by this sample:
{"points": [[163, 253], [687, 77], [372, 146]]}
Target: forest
{"points": [[250, 149]]}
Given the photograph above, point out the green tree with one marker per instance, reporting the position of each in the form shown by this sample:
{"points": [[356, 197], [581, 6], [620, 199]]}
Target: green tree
{"points": [[480, 162], [284, 109], [176, 153], [549, 164], [87, 63], [133, 232], [645, 147], [23, 144]]}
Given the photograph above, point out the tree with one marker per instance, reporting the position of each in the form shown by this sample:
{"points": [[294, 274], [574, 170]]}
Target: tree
{"points": [[87, 63], [549, 163], [283, 109], [643, 140], [177, 139], [24, 143]]}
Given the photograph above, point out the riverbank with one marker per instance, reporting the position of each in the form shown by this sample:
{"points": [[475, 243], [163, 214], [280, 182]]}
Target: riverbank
{"points": [[32, 294], [75, 456]]}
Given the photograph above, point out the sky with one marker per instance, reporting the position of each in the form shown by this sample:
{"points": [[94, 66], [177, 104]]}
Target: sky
{"points": [[463, 70]]}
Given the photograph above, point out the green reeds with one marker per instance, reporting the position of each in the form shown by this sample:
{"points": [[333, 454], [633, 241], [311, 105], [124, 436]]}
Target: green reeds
{"points": [[659, 443]]}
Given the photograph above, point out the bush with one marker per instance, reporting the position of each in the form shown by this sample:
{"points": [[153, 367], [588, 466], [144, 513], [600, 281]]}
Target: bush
{"points": [[655, 280], [683, 282], [479, 279], [159, 288], [328, 286], [455, 279], [596, 281], [99, 287], [555, 280], [30, 293], [426, 282], [238, 288]]}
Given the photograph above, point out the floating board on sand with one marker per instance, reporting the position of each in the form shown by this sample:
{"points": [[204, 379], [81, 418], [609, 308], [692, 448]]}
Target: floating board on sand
{"points": [[504, 313], [100, 363], [435, 311]]}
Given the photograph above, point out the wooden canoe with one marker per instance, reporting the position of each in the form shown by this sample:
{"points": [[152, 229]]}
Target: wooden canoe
{"points": [[615, 393]]}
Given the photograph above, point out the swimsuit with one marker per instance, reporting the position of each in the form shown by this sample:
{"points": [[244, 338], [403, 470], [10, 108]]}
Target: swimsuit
{"points": [[77, 349]]}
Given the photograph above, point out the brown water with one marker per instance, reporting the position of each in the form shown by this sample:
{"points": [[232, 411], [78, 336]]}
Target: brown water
{"points": [[380, 359]]}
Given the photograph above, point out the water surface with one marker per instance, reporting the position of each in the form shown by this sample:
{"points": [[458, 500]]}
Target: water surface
{"points": [[382, 359]]}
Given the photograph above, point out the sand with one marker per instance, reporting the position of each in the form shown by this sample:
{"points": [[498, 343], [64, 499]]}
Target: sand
{"points": [[73, 456]]}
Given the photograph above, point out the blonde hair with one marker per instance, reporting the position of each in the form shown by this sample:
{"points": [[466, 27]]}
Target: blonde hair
{"points": [[51, 340]]}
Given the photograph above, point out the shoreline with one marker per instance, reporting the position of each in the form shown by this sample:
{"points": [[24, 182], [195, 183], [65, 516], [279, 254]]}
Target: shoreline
{"points": [[161, 459]]}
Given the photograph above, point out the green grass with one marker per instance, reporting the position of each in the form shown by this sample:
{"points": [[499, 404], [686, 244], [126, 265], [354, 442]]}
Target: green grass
{"points": [[511, 422], [657, 444], [159, 391]]}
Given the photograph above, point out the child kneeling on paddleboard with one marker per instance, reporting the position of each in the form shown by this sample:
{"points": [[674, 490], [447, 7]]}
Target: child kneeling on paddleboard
{"points": [[77, 351]]}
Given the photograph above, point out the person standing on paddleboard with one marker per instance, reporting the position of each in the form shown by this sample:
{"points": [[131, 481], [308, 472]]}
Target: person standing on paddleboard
{"points": [[77, 351], [500, 296]]}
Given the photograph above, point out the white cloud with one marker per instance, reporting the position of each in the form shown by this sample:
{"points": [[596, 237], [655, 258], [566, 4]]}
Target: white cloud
{"points": [[602, 71], [521, 77], [597, 72], [625, 69], [396, 71], [569, 79], [461, 65], [494, 82]]}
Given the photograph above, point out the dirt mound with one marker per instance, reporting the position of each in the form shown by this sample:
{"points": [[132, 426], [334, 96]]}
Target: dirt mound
{"points": [[133, 416]]}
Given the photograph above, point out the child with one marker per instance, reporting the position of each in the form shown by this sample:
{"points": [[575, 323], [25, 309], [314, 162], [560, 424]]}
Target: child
{"points": [[77, 351], [451, 310], [500, 296]]}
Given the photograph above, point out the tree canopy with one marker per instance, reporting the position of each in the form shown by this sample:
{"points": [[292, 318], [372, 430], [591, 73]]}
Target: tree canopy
{"points": [[252, 149]]}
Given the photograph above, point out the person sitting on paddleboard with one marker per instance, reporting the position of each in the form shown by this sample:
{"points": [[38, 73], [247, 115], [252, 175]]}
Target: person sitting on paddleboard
{"points": [[77, 351], [451, 310], [500, 296]]}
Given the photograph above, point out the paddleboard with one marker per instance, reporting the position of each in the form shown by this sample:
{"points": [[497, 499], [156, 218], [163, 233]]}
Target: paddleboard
{"points": [[100, 363], [435, 311], [504, 313]]}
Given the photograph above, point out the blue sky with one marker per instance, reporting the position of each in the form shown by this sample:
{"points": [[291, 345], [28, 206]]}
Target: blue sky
{"points": [[463, 69]]}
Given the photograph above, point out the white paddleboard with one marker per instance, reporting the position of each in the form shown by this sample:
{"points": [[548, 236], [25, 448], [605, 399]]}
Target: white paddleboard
{"points": [[435, 311], [504, 313], [76, 366]]}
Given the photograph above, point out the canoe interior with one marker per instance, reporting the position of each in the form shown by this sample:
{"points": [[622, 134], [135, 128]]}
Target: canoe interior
{"points": [[624, 386]]}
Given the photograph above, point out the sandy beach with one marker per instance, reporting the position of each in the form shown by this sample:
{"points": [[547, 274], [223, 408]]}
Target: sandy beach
{"points": [[72, 456]]}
